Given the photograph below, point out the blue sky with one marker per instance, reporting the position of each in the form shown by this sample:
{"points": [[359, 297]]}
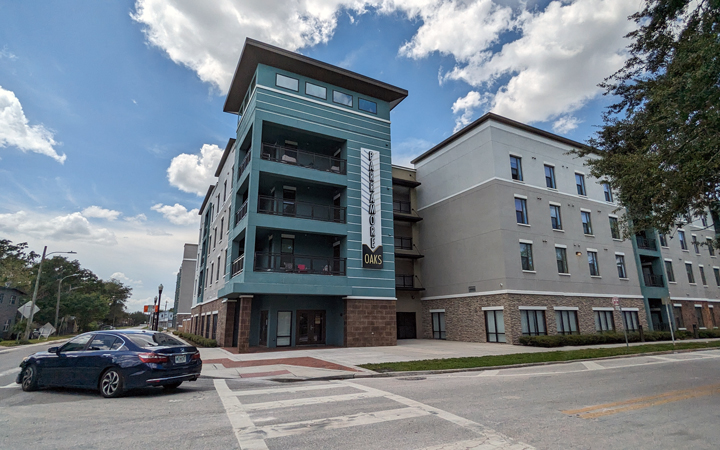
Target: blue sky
{"points": [[111, 115]]}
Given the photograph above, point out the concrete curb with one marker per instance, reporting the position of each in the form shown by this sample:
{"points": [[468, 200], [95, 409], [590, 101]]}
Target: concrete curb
{"points": [[482, 369], [17, 347]]}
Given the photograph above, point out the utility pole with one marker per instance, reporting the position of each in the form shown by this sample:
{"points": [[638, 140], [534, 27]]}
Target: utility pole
{"points": [[35, 292], [57, 305]]}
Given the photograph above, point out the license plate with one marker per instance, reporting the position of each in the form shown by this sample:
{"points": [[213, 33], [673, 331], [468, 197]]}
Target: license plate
{"points": [[180, 359]]}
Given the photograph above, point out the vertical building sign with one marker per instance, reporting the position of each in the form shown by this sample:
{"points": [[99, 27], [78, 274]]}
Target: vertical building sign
{"points": [[372, 252]]}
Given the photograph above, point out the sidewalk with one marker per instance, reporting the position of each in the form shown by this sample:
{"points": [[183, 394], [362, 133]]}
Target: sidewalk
{"points": [[321, 363]]}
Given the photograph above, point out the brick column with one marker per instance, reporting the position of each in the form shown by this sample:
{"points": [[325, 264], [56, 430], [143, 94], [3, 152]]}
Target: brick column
{"points": [[245, 305], [370, 323], [226, 322]]}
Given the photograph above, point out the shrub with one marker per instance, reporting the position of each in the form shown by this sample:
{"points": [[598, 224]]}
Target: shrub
{"points": [[200, 341], [706, 334], [23, 342], [604, 338]]}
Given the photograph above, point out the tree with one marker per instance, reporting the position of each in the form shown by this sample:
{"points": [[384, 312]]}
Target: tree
{"points": [[117, 294], [87, 308], [16, 265], [660, 143], [137, 318]]}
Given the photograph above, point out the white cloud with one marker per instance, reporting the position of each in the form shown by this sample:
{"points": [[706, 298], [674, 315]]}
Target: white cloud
{"points": [[194, 173], [15, 130], [5, 53], [565, 124], [121, 277], [70, 227], [554, 67], [467, 105], [140, 218], [100, 213], [177, 214]]}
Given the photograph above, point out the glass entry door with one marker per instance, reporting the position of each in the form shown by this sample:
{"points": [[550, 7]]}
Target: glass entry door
{"points": [[310, 327], [284, 325], [263, 328]]}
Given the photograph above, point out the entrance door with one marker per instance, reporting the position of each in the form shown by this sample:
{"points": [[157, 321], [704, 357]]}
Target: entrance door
{"points": [[287, 249], [263, 328], [406, 325], [310, 327], [289, 202], [657, 322]]}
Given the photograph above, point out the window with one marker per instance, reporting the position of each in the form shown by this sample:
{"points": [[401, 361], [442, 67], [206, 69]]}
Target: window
{"points": [[6, 326], [516, 168], [699, 316], [567, 322], [224, 191], [604, 321], [550, 177], [711, 249], [702, 275], [533, 322], [77, 344], [580, 184], [586, 222], [681, 238], [688, 269], [716, 271], [593, 263], [222, 225], [620, 261], [215, 237], [12, 299], [695, 244], [495, 326], [104, 342], [614, 228], [670, 272], [342, 98], [212, 269], [438, 324], [607, 191], [521, 210], [286, 82], [630, 319], [677, 312], [217, 275], [555, 219], [367, 105], [663, 240], [314, 90], [526, 256], [561, 256], [225, 265]]}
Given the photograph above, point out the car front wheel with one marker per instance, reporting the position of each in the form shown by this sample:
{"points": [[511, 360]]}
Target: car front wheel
{"points": [[111, 384], [30, 378]]}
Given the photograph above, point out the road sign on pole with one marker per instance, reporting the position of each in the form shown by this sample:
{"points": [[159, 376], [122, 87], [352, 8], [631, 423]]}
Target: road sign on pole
{"points": [[26, 309], [616, 304]]}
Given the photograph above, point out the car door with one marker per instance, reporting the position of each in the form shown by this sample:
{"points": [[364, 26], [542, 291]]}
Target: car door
{"points": [[60, 371], [94, 359]]}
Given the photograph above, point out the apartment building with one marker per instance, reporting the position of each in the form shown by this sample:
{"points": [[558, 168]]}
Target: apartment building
{"points": [[518, 239], [184, 287], [308, 217]]}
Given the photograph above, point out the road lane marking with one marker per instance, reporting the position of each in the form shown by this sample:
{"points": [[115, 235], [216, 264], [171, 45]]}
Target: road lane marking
{"points": [[308, 401], [488, 373], [333, 423], [10, 386], [590, 365], [491, 438], [239, 418], [471, 444], [663, 358], [607, 409], [287, 390], [12, 371]]}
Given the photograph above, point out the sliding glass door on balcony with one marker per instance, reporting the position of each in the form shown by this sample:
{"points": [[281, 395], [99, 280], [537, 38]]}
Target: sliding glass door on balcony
{"points": [[303, 158], [289, 206], [302, 264]]}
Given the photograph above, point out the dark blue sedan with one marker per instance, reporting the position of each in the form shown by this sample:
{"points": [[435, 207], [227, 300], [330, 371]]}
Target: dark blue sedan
{"points": [[114, 362]]}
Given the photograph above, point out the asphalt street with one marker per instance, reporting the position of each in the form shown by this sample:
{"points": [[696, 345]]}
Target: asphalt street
{"points": [[668, 401]]}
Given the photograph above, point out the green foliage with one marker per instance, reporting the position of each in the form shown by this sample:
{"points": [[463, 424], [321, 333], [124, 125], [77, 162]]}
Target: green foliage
{"points": [[137, 318], [197, 340], [659, 144], [16, 265], [709, 334], [595, 339]]}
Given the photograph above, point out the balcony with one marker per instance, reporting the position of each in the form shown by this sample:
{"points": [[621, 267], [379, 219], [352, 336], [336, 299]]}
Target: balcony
{"points": [[303, 158], [652, 280], [402, 210], [238, 265], [243, 165], [302, 264], [645, 243], [241, 212], [403, 243], [404, 247], [300, 209]]}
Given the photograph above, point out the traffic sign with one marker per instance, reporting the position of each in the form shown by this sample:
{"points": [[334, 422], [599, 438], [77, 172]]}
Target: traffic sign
{"points": [[26, 308], [616, 303], [665, 300]]}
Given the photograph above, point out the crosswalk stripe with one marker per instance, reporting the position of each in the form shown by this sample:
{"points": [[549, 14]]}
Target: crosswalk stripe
{"points": [[308, 401], [332, 423], [287, 390], [12, 371], [471, 444], [239, 419], [10, 386]]}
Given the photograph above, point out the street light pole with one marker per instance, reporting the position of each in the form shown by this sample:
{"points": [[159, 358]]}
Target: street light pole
{"points": [[157, 314], [152, 314], [57, 305], [35, 292]]}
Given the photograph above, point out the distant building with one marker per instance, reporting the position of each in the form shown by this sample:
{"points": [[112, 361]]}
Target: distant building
{"points": [[10, 301], [184, 285]]}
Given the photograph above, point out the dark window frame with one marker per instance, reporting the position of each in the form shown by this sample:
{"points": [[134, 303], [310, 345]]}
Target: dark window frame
{"points": [[527, 260], [360, 103], [562, 262], [550, 181], [533, 314], [609, 321], [341, 103], [317, 86], [496, 334], [580, 184], [521, 215], [439, 332], [572, 317], [277, 79], [620, 263], [556, 222], [670, 272], [516, 173], [593, 264]]}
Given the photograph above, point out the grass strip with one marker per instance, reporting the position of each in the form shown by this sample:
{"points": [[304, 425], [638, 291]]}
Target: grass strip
{"points": [[14, 343], [524, 358]]}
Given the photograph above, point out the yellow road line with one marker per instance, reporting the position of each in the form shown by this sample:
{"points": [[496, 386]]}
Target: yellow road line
{"points": [[643, 402]]}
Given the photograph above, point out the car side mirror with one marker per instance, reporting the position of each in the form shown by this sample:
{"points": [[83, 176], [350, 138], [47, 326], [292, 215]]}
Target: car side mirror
{"points": [[54, 350]]}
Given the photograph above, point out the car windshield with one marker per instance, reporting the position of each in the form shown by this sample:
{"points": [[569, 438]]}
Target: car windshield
{"points": [[154, 340]]}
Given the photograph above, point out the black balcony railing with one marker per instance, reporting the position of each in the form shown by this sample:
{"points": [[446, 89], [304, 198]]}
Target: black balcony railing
{"points": [[241, 212], [404, 281], [243, 165], [305, 264], [303, 210], [653, 280], [303, 158], [238, 265], [645, 243], [402, 207], [403, 243]]}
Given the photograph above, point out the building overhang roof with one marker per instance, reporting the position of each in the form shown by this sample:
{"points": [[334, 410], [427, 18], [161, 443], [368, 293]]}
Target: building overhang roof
{"points": [[256, 52], [224, 158], [504, 120]]}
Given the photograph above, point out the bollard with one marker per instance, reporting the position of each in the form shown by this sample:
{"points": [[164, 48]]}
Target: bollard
{"points": [[642, 333]]}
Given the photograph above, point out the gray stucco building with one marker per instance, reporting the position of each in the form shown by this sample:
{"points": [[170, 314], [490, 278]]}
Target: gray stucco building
{"points": [[10, 301], [184, 285]]}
